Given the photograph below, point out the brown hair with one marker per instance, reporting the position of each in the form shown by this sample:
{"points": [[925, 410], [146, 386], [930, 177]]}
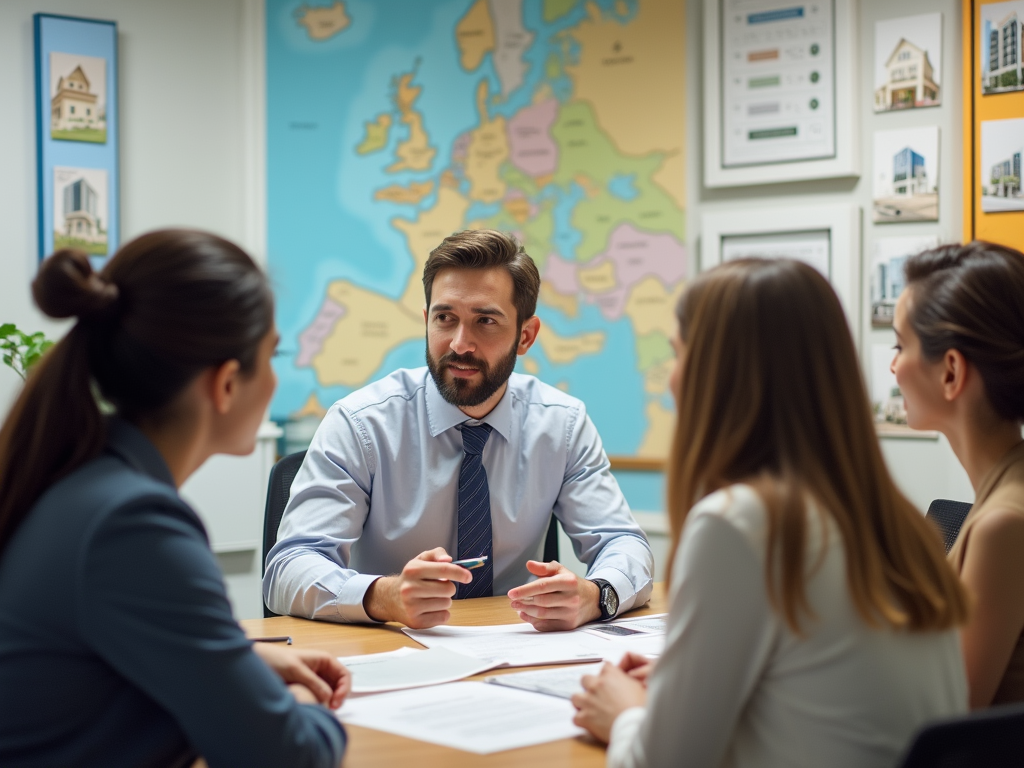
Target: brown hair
{"points": [[484, 249], [167, 306], [971, 298], [771, 394]]}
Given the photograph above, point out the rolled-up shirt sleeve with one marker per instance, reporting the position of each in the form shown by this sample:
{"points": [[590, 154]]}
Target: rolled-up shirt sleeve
{"points": [[307, 571], [595, 515]]}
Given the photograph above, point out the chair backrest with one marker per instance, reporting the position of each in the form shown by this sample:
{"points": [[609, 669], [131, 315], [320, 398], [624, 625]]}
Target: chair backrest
{"points": [[281, 477], [278, 491], [949, 516], [990, 738]]}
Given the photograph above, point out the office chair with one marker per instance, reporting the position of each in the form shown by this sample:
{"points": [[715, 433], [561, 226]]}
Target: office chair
{"points": [[949, 516], [280, 487], [281, 477], [990, 738]]}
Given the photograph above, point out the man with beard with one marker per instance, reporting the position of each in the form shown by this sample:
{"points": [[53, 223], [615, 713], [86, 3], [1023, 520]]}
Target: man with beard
{"points": [[462, 459]]}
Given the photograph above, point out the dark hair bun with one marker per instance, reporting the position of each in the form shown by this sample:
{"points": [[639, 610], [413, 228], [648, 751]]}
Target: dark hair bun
{"points": [[971, 298], [66, 286]]}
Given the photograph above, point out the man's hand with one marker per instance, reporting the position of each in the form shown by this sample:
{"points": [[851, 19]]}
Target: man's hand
{"points": [[604, 698], [559, 600], [421, 594], [320, 673]]}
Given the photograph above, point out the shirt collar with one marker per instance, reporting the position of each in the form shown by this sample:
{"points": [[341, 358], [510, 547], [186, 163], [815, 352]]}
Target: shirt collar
{"points": [[442, 415], [128, 442]]}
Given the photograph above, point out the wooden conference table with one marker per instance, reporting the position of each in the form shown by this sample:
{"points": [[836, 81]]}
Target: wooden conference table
{"points": [[375, 748]]}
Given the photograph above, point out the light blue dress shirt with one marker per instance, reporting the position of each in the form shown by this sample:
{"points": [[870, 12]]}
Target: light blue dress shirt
{"points": [[379, 485]]}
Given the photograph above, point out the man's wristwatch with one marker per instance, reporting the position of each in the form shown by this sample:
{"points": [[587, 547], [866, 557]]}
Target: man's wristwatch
{"points": [[608, 602]]}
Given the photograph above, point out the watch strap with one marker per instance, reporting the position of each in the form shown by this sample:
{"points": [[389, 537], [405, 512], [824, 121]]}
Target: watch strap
{"points": [[601, 586]]}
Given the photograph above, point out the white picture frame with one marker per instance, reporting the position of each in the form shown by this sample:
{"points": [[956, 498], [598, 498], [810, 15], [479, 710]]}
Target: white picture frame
{"points": [[846, 160], [841, 222]]}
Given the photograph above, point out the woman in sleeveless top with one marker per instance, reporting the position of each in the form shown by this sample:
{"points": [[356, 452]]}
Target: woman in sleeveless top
{"points": [[960, 365], [813, 617]]}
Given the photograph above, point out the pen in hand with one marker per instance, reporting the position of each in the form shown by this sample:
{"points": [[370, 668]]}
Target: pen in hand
{"points": [[471, 563]]}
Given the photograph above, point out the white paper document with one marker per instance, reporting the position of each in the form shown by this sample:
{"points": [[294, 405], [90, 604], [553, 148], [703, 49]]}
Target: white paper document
{"points": [[474, 717], [410, 668], [520, 645], [562, 682], [514, 645], [654, 624]]}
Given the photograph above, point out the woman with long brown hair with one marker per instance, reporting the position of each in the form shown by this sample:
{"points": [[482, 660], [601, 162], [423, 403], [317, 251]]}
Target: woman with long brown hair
{"points": [[812, 613], [117, 643], [960, 366]]}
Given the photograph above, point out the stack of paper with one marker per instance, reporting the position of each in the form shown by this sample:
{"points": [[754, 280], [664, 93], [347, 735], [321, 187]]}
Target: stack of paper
{"points": [[482, 718], [520, 645], [410, 668], [473, 717], [562, 682], [513, 645]]}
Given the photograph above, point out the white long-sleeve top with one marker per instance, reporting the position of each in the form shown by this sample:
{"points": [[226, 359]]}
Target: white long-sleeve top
{"points": [[736, 688]]}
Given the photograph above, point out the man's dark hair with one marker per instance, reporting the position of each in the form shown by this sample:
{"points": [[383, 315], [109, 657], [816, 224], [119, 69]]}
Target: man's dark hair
{"points": [[484, 249]]}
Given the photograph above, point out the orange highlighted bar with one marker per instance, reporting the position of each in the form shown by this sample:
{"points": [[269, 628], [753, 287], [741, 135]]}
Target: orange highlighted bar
{"points": [[771, 55]]}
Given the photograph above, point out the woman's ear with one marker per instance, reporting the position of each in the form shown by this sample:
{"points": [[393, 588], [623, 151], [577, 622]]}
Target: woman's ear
{"points": [[224, 386], [955, 373]]}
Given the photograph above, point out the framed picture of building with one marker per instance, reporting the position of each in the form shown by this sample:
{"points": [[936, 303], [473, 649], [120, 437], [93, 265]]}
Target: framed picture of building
{"points": [[80, 209], [908, 62], [906, 175], [78, 98], [999, 43], [77, 135], [887, 279], [825, 236], [993, 99], [1002, 147], [780, 85]]}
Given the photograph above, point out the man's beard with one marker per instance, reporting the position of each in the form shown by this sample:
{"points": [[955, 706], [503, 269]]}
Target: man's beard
{"points": [[461, 392]]}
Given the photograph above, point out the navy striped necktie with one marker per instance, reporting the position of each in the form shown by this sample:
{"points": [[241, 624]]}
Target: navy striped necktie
{"points": [[475, 512]]}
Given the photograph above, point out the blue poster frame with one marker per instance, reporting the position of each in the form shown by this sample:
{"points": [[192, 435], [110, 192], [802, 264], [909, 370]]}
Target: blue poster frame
{"points": [[85, 37]]}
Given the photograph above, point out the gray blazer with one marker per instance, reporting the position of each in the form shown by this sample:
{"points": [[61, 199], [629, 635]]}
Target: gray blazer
{"points": [[117, 643]]}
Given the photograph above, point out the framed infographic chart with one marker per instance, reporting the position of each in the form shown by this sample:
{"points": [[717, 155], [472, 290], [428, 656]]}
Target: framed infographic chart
{"points": [[825, 236], [77, 135], [779, 79], [994, 121]]}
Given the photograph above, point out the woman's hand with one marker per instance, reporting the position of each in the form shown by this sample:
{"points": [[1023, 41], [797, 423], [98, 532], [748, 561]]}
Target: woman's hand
{"points": [[318, 671], [636, 666], [604, 698]]}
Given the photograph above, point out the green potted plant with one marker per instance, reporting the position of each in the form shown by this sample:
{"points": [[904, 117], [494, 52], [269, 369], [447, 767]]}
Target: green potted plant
{"points": [[21, 350]]}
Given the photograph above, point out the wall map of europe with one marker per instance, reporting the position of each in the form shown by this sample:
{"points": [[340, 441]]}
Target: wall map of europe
{"points": [[394, 123]]}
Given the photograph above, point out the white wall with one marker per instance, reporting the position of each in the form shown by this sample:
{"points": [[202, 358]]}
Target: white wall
{"points": [[191, 132], [923, 468], [183, 131]]}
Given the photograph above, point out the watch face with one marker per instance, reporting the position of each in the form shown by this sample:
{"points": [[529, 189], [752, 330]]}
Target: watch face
{"points": [[610, 600]]}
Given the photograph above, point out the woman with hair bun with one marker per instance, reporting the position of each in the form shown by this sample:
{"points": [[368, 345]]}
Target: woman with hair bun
{"points": [[960, 365], [117, 643]]}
